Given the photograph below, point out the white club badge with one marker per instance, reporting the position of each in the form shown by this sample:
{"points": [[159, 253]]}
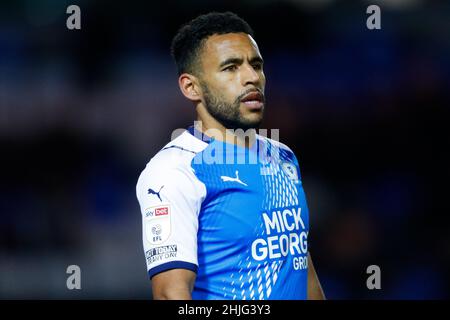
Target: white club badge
{"points": [[290, 170]]}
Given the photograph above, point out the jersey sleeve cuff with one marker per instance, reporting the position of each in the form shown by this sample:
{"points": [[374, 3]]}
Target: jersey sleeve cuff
{"points": [[172, 265]]}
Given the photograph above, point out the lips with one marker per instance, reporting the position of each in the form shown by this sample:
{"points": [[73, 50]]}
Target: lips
{"points": [[253, 96], [253, 100]]}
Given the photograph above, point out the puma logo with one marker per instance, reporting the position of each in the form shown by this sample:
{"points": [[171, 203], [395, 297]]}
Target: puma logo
{"points": [[230, 179], [151, 191]]}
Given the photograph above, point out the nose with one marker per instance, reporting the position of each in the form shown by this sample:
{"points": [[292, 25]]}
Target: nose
{"points": [[250, 75]]}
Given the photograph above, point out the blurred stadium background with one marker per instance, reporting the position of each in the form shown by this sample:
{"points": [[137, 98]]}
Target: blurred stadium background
{"points": [[81, 113]]}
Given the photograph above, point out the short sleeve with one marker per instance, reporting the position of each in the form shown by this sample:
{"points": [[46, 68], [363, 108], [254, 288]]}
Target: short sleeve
{"points": [[170, 198]]}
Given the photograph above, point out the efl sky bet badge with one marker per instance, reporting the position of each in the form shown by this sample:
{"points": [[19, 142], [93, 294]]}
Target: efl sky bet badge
{"points": [[290, 170], [157, 224]]}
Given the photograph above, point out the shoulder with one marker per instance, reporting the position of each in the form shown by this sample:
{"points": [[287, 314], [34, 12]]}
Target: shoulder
{"points": [[177, 153], [277, 144], [283, 152], [173, 161]]}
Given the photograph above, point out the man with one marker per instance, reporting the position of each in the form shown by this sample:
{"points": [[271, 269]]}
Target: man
{"points": [[215, 227]]}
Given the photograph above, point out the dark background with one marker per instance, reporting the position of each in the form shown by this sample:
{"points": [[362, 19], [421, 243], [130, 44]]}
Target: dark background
{"points": [[82, 112]]}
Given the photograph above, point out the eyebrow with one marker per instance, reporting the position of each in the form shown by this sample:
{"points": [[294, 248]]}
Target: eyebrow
{"points": [[239, 61]]}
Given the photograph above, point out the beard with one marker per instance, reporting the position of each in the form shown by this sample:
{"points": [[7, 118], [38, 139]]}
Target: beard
{"points": [[228, 114]]}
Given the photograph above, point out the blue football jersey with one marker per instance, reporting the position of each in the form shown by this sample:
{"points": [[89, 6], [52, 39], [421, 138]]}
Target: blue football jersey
{"points": [[236, 216]]}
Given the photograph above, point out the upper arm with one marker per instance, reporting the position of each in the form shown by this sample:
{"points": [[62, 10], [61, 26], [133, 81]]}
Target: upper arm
{"points": [[173, 284], [169, 199], [315, 291]]}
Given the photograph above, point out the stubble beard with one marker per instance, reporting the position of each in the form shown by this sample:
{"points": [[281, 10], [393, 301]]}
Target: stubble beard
{"points": [[227, 114]]}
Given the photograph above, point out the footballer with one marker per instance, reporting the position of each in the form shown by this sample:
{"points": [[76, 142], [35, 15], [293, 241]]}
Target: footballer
{"points": [[224, 214]]}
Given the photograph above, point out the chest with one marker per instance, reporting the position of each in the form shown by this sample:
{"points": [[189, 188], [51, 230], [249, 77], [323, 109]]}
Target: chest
{"points": [[244, 202]]}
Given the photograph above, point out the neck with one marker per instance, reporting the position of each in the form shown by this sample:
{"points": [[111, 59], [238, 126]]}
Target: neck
{"points": [[209, 125]]}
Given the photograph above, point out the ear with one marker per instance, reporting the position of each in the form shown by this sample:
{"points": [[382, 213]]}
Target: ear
{"points": [[189, 87]]}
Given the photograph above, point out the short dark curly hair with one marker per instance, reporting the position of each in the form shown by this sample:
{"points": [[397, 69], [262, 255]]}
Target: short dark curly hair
{"points": [[188, 42]]}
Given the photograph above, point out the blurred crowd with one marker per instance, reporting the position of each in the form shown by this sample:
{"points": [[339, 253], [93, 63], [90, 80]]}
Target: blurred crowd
{"points": [[366, 112]]}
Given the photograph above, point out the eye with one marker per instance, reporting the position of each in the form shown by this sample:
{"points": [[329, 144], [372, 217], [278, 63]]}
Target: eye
{"points": [[230, 68], [257, 66]]}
